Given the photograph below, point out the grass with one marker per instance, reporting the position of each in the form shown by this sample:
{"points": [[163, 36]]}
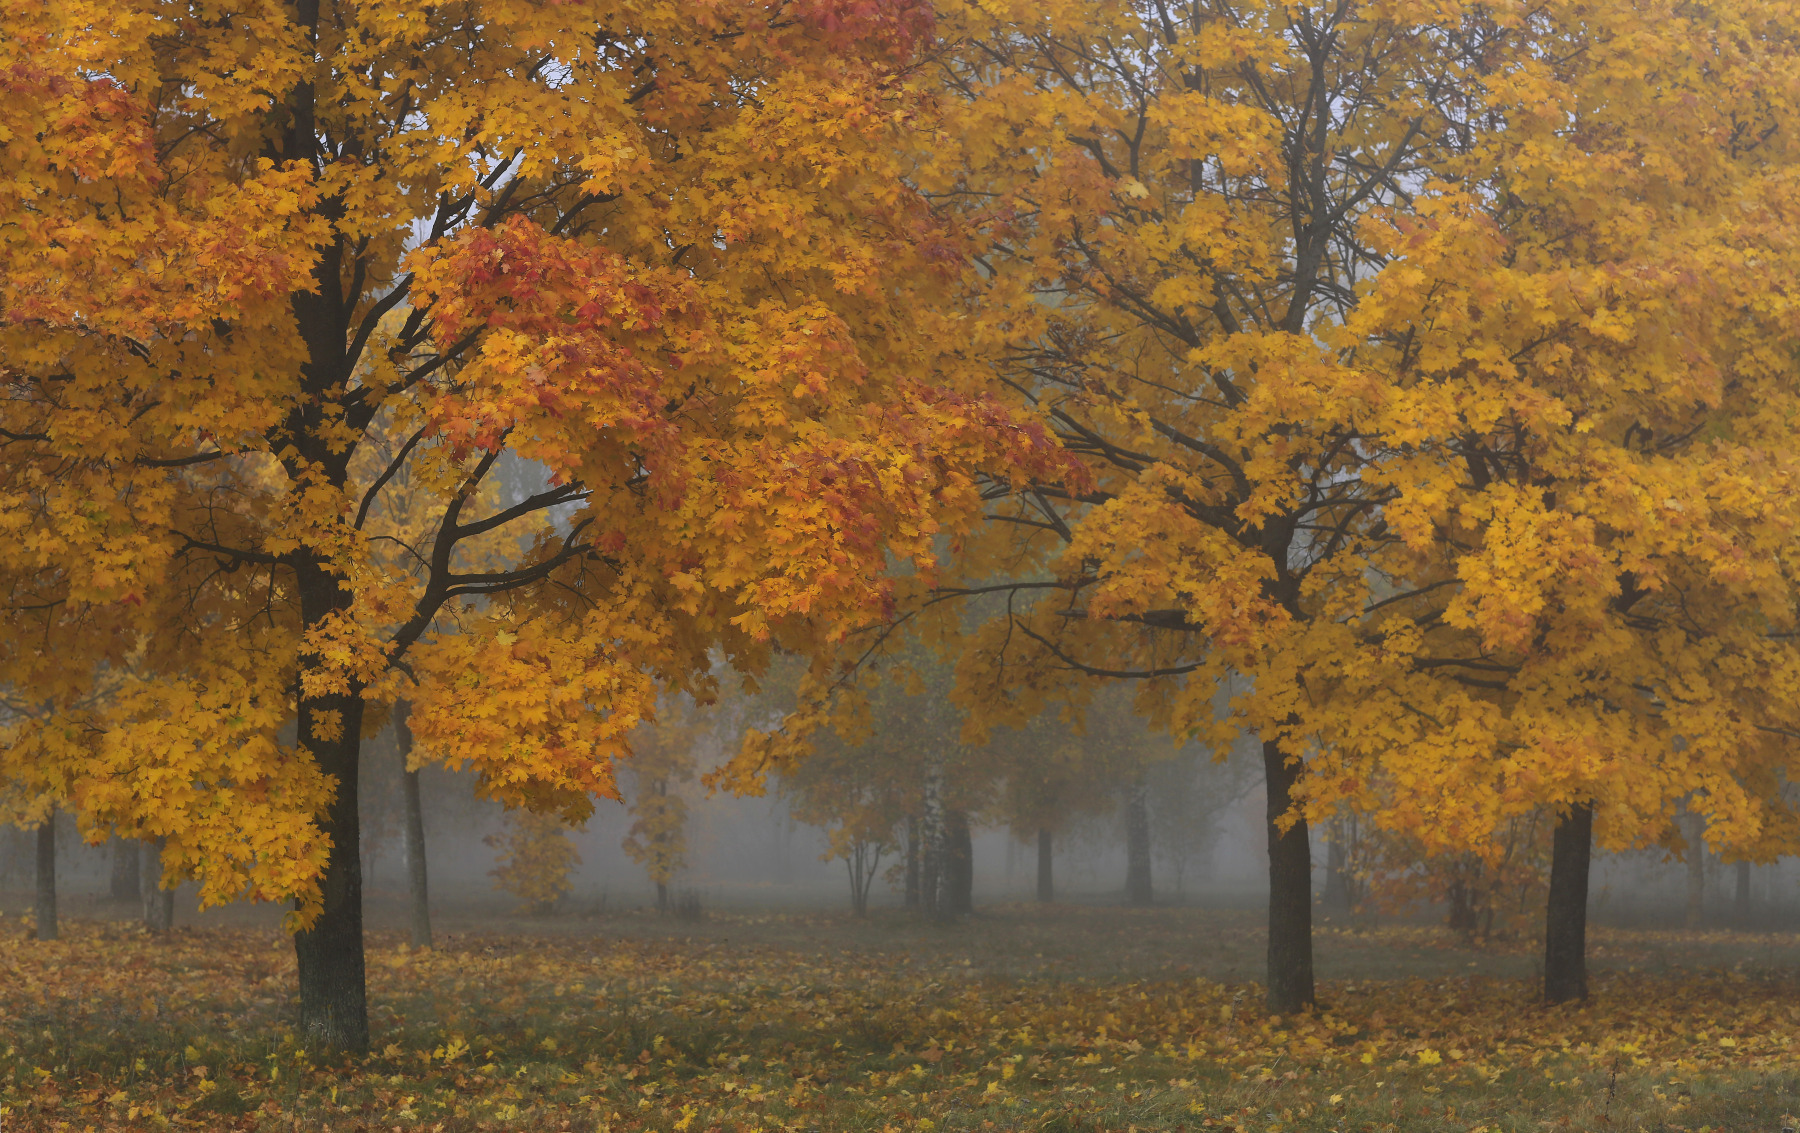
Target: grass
{"points": [[1063, 1019]]}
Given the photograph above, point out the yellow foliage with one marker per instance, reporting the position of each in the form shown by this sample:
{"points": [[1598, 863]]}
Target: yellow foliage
{"points": [[514, 359], [536, 857]]}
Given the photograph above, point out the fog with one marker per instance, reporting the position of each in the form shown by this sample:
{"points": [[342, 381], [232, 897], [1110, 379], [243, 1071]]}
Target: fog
{"points": [[750, 853]]}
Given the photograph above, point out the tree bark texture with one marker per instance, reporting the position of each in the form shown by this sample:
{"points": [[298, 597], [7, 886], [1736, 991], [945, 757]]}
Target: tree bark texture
{"points": [[1290, 981], [1137, 845], [417, 889], [1696, 870], [959, 865], [334, 1012], [159, 903], [46, 878], [1565, 921], [124, 882], [1046, 881]]}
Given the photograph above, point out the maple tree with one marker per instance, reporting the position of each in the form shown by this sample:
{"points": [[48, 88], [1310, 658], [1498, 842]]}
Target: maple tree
{"points": [[1604, 359], [536, 858], [664, 765], [261, 260], [865, 796], [1410, 423], [1048, 786]]}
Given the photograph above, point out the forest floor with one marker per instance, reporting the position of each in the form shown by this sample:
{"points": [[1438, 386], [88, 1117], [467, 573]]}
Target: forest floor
{"points": [[1050, 1019]]}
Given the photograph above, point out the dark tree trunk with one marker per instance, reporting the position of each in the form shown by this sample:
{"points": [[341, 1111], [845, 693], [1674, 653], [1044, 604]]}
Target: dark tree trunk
{"points": [[1740, 905], [124, 885], [1565, 921], [959, 865], [1696, 871], [159, 903], [1046, 890], [862, 862], [1463, 919], [859, 903], [334, 1011], [417, 890], [46, 878], [1290, 891], [662, 897], [1137, 845], [912, 861]]}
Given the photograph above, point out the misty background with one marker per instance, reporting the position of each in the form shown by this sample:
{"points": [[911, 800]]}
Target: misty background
{"points": [[750, 853]]}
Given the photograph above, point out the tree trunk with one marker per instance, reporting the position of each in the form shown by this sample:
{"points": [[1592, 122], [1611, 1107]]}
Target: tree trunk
{"points": [[959, 864], [1462, 919], [334, 1009], [912, 861], [1565, 920], [413, 844], [1046, 890], [159, 903], [662, 897], [124, 885], [1137, 845], [931, 851], [1290, 891], [1740, 906], [862, 862], [858, 904], [46, 878], [1696, 871]]}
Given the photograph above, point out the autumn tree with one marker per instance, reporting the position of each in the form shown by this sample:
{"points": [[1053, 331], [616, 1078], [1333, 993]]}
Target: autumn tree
{"points": [[1049, 781], [907, 756], [1376, 328], [665, 764], [536, 856], [258, 260], [864, 796], [1598, 608], [1173, 199], [1491, 888]]}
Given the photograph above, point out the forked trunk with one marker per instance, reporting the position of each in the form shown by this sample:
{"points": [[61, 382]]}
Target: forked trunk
{"points": [[124, 881], [862, 861], [417, 890], [1046, 889], [159, 903], [1290, 891], [1137, 845], [859, 905], [334, 1013], [1565, 920], [46, 878]]}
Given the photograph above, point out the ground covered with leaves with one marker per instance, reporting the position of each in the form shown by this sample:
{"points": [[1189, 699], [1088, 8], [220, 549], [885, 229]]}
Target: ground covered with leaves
{"points": [[1061, 1020]]}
